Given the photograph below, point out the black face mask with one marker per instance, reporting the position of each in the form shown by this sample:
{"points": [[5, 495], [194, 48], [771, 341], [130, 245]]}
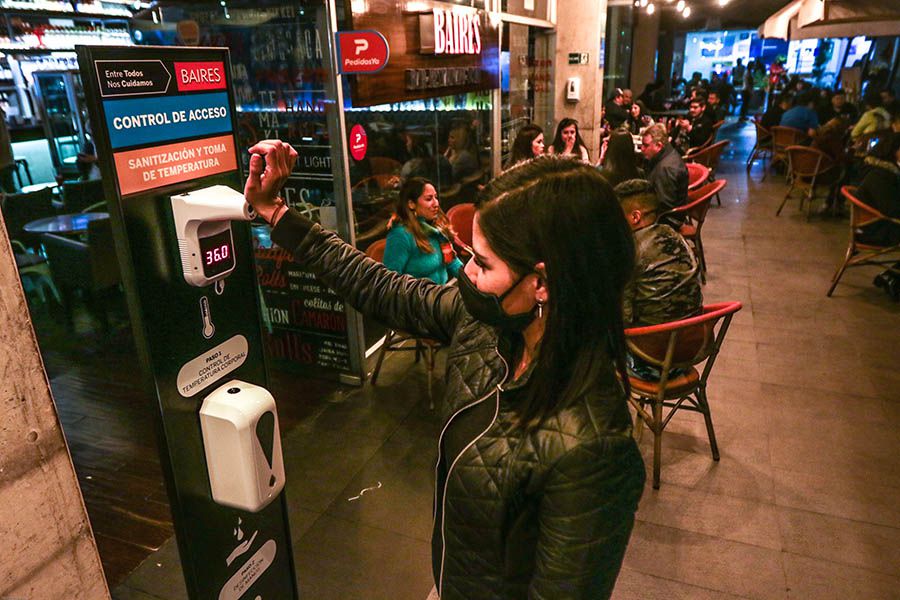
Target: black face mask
{"points": [[488, 308]]}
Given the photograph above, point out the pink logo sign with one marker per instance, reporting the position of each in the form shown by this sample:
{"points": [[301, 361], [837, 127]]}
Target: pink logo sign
{"points": [[359, 142], [361, 51], [194, 76]]}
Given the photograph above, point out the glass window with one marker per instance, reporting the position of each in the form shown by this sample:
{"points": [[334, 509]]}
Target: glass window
{"points": [[445, 140], [619, 31], [538, 9], [279, 62], [526, 83]]}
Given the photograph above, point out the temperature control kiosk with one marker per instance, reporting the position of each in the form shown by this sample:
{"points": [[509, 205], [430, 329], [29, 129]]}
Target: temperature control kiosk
{"points": [[164, 126]]}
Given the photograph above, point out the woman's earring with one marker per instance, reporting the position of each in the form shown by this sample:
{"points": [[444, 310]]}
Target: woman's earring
{"points": [[540, 310]]}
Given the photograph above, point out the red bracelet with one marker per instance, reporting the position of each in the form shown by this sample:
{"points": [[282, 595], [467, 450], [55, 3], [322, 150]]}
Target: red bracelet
{"points": [[275, 215]]}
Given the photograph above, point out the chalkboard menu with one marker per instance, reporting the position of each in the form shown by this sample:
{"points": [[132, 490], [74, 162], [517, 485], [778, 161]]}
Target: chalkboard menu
{"points": [[304, 322]]}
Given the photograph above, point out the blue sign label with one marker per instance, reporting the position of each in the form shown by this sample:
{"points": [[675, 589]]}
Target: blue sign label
{"points": [[142, 121]]}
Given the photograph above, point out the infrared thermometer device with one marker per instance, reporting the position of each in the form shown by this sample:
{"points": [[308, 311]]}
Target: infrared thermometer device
{"points": [[242, 443], [203, 225]]}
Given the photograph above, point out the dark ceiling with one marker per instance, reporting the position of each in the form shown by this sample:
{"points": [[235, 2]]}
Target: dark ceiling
{"points": [[735, 14]]}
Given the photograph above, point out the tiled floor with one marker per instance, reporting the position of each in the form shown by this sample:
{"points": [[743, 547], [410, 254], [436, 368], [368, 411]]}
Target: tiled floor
{"points": [[803, 504]]}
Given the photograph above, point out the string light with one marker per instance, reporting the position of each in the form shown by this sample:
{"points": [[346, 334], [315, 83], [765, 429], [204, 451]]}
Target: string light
{"points": [[680, 6], [686, 12], [650, 9]]}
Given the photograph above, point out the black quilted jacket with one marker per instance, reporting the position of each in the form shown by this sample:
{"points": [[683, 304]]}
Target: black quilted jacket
{"points": [[545, 515]]}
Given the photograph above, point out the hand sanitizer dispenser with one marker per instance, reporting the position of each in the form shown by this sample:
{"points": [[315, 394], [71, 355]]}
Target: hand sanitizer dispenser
{"points": [[242, 442], [203, 225]]}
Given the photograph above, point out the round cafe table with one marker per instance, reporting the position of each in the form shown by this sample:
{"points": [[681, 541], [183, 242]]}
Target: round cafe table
{"points": [[73, 224], [36, 187]]}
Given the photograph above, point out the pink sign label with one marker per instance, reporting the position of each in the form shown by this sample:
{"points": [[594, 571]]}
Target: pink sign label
{"points": [[359, 142], [149, 168], [195, 76]]}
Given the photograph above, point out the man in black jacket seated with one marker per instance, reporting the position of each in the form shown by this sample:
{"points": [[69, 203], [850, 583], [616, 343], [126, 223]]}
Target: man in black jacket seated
{"points": [[667, 172], [616, 113], [772, 116], [696, 131], [880, 189]]}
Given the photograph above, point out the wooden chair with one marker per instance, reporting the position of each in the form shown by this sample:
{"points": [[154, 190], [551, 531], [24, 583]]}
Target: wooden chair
{"points": [[807, 167], [78, 195], [782, 137], [394, 341], [34, 270], [91, 267], [762, 149], [382, 165], [697, 175], [681, 345], [20, 209], [858, 253], [380, 182], [694, 212], [710, 158], [461, 217]]}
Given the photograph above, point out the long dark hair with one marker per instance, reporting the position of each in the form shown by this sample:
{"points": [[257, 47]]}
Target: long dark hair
{"points": [[412, 189], [621, 162], [563, 213], [559, 146], [521, 148]]}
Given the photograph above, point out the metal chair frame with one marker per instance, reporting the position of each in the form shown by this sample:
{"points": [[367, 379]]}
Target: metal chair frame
{"points": [[710, 157], [687, 343], [695, 211], [805, 181], [859, 254], [791, 137], [394, 341], [762, 149]]}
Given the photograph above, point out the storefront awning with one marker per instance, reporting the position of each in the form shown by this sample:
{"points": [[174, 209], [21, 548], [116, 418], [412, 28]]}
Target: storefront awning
{"points": [[806, 19], [779, 24]]}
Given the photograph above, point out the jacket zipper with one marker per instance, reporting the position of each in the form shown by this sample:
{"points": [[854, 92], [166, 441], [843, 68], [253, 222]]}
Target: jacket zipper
{"points": [[440, 583]]}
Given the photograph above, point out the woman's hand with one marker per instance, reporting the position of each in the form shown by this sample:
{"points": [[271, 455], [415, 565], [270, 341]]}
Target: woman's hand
{"points": [[271, 162]]}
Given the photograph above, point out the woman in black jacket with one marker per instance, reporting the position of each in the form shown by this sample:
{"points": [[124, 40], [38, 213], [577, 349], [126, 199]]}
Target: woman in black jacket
{"points": [[538, 477]]}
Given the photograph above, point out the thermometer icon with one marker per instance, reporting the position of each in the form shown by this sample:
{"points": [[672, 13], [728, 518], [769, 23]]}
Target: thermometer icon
{"points": [[208, 328]]}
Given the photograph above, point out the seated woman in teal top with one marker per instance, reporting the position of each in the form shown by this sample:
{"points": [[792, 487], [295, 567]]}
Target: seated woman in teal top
{"points": [[419, 235]]}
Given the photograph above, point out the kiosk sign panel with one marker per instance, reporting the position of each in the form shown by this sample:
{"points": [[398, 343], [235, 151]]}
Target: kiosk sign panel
{"points": [[164, 125]]}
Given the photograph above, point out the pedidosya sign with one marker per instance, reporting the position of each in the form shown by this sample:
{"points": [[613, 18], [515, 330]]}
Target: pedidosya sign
{"points": [[361, 52]]}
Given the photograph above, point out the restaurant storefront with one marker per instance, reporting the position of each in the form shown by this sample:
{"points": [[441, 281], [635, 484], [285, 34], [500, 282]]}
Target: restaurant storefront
{"points": [[460, 79]]}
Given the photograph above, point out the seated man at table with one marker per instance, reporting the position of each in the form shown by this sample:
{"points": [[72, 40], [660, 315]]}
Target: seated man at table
{"points": [[616, 113], [803, 114], [667, 171], [696, 130], [776, 110], [666, 282], [715, 108]]}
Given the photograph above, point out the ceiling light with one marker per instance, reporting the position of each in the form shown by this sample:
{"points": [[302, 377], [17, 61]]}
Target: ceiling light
{"points": [[680, 6], [686, 12], [650, 9], [723, 2]]}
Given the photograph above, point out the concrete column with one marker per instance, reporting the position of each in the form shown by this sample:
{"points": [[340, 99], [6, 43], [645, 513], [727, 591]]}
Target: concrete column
{"points": [[47, 549], [643, 56], [580, 27]]}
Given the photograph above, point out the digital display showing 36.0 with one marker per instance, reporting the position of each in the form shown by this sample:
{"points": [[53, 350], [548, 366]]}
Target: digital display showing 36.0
{"points": [[217, 253]]}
